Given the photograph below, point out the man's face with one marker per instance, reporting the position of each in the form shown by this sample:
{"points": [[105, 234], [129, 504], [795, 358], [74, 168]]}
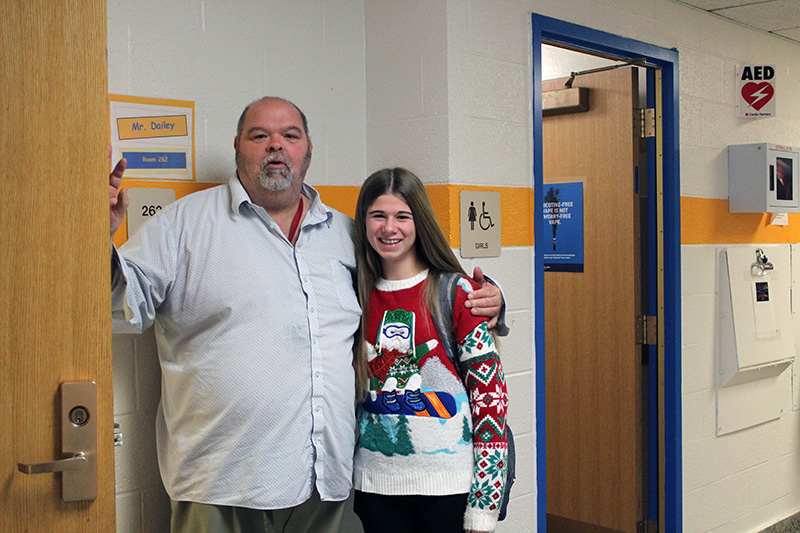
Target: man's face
{"points": [[272, 151]]}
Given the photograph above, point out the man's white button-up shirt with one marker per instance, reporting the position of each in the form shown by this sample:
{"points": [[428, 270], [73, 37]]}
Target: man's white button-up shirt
{"points": [[255, 341]]}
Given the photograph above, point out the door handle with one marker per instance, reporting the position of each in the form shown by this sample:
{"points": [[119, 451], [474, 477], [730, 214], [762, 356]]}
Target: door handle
{"points": [[78, 444], [62, 465]]}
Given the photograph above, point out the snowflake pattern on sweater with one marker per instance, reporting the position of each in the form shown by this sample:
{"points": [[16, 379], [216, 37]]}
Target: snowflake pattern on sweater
{"points": [[423, 428]]}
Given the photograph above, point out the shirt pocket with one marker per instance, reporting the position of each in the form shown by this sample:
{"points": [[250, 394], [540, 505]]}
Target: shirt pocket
{"points": [[342, 280]]}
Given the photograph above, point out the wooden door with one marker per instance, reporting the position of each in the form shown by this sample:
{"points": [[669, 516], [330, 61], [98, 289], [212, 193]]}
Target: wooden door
{"points": [[593, 361], [55, 323]]}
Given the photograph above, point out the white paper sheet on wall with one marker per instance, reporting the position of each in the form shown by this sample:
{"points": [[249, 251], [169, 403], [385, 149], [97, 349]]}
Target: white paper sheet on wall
{"points": [[779, 219]]}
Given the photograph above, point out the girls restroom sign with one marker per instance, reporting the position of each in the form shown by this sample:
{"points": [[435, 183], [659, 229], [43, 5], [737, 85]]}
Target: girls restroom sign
{"points": [[756, 96]]}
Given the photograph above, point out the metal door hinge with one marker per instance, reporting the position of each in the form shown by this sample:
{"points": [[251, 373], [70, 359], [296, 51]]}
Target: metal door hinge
{"points": [[644, 121], [647, 526], [646, 329]]}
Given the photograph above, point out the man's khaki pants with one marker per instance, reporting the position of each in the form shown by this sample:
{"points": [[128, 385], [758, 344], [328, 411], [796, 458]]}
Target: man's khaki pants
{"points": [[311, 516]]}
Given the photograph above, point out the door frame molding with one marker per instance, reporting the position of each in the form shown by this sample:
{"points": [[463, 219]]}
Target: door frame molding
{"points": [[581, 38]]}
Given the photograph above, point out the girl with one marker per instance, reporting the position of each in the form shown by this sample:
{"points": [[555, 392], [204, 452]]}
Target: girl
{"points": [[432, 450]]}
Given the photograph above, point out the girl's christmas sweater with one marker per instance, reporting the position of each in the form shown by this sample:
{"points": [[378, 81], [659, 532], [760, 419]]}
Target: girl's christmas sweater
{"points": [[423, 429]]}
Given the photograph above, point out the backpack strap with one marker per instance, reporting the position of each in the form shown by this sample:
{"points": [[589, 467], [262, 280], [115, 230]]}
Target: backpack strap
{"points": [[444, 322]]}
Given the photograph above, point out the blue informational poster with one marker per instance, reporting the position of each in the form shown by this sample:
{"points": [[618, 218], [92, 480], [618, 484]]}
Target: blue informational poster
{"points": [[563, 215]]}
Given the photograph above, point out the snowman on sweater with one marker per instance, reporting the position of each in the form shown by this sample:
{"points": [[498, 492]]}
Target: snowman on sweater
{"points": [[394, 362]]}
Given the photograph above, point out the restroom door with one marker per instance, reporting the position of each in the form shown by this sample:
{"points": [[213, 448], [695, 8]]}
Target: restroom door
{"points": [[593, 362], [55, 320]]}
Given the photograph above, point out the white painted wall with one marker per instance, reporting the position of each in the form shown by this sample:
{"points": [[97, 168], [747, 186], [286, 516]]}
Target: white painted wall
{"points": [[444, 87], [223, 55]]}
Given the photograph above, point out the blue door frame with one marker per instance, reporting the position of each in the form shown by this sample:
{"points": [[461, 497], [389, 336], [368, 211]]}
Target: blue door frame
{"points": [[557, 32]]}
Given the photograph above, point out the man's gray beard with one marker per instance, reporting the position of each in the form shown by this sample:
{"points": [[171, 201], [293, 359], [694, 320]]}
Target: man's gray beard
{"points": [[275, 180]]}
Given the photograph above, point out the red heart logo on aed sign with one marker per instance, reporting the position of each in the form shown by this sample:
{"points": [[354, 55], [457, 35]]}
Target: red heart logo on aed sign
{"points": [[757, 94]]}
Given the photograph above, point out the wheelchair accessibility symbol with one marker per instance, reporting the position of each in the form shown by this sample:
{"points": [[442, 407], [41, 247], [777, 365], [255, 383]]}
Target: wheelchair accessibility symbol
{"points": [[480, 218], [484, 219]]}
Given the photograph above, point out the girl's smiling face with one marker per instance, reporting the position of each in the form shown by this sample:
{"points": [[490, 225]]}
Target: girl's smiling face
{"points": [[391, 233]]}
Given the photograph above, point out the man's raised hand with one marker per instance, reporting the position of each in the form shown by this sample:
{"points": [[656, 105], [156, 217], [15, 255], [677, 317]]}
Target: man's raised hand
{"points": [[117, 198]]}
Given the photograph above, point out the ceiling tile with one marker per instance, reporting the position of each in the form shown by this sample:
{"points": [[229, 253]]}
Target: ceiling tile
{"points": [[768, 16], [780, 17]]}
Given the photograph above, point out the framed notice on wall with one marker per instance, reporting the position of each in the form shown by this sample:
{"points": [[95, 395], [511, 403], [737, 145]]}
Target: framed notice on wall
{"points": [[155, 136], [563, 219]]}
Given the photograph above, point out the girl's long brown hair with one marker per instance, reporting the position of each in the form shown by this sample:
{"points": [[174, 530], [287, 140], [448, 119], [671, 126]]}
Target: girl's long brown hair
{"points": [[431, 248]]}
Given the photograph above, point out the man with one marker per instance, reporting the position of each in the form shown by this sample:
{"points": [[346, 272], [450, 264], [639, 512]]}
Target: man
{"points": [[250, 289]]}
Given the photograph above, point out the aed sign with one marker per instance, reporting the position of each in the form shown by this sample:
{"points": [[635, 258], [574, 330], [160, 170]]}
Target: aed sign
{"points": [[480, 224], [756, 86]]}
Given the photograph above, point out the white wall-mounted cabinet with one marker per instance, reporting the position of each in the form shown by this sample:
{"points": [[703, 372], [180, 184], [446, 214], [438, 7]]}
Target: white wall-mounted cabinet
{"points": [[761, 178]]}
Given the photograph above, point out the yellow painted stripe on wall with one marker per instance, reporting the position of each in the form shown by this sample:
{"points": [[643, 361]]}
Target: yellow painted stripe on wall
{"points": [[703, 220], [516, 209], [342, 198], [707, 221], [516, 205]]}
